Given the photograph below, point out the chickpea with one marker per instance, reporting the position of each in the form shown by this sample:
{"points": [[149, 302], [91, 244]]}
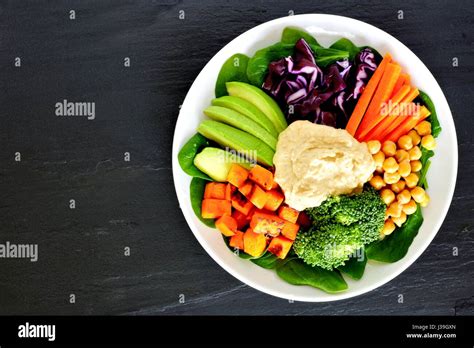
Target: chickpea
{"points": [[409, 208], [402, 155], [404, 169], [404, 197], [415, 138], [390, 165], [398, 186], [377, 182], [379, 157], [425, 201], [395, 209], [387, 196], [415, 166], [389, 148], [388, 227], [423, 128], [405, 142], [414, 153], [391, 178], [399, 221], [418, 194], [428, 142], [373, 146], [411, 180]]}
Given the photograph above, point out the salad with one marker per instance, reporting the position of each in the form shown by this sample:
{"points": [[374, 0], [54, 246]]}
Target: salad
{"points": [[313, 160]]}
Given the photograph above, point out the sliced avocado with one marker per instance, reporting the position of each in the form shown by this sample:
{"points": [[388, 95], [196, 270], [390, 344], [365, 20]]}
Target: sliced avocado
{"points": [[239, 121], [238, 140], [247, 109], [216, 162], [261, 100]]}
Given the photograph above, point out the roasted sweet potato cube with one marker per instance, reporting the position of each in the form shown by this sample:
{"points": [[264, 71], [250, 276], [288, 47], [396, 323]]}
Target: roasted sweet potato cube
{"points": [[274, 200], [237, 175], [215, 190], [214, 208], [261, 176], [237, 240], [269, 224], [246, 188], [280, 246], [254, 243], [241, 219], [229, 191], [258, 197], [290, 230], [289, 214], [227, 225], [240, 203]]}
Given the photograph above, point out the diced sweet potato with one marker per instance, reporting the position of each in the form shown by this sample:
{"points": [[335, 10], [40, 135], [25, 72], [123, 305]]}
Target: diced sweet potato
{"points": [[237, 240], [214, 208], [290, 230], [229, 191], [258, 197], [227, 225], [261, 176], [289, 214], [215, 190], [237, 175], [246, 188], [280, 246], [275, 185], [241, 203], [267, 224], [274, 200], [254, 243], [241, 219]]}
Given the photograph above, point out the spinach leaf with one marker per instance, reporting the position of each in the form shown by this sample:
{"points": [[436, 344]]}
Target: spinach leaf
{"points": [[267, 260], [327, 56], [186, 156], [355, 267], [346, 45], [257, 67], [296, 272], [395, 246], [196, 193], [234, 69], [433, 118], [291, 35], [425, 165]]}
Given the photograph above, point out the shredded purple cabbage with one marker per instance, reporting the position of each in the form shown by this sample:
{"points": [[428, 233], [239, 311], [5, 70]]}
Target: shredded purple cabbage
{"points": [[306, 92]]}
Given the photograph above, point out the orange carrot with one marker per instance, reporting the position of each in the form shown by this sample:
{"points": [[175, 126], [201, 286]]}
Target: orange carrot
{"points": [[366, 96], [408, 124], [383, 92], [404, 79], [393, 102], [390, 122]]}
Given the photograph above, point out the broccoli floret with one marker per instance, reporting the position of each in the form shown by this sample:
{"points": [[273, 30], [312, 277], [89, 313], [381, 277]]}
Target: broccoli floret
{"points": [[341, 225]]}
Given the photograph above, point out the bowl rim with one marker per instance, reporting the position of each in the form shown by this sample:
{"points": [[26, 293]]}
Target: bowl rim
{"points": [[347, 294]]}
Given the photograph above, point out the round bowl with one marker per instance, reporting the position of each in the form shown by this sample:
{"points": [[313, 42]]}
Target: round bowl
{"points": [[326, 29]]}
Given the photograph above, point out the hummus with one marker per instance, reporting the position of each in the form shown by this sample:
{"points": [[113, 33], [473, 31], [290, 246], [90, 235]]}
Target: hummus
{"points": [[313, 162]]}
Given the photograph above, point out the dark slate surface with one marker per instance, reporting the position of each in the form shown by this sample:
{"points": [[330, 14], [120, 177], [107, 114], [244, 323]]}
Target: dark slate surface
{"points": [[133, 204]]}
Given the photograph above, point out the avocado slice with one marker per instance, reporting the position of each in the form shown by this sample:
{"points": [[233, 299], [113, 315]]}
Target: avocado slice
{"points": [[216, 162], [261, 100], [247, 109], [239, 121], [243, 142]]}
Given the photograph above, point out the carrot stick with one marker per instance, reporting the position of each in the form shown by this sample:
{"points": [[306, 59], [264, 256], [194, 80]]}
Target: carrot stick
{"points": [[393, 102], [404, 79], [383, 92], [366, 96], [408, 124], [390, 122]]}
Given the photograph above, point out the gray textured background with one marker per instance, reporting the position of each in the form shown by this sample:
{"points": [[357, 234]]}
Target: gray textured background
{"points": [[133, 203]]}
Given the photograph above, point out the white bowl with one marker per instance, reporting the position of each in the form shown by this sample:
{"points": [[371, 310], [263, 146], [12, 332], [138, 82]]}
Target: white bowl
{"points": [[327, 29]]}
